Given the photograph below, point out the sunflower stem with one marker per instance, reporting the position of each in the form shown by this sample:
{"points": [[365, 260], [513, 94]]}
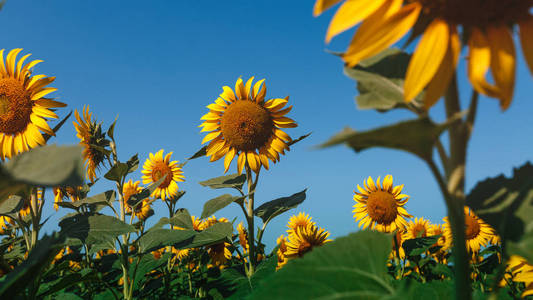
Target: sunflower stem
{"points": [[34, 218], [250, 217]]}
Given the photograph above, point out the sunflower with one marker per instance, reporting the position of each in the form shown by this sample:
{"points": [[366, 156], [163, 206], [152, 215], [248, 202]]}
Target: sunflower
{"points": [[486, 25], [300, 220], [419, 227], [519, 270], [4, 224], [442, 253], [143, 210], [380, 208], [93, 141], [156, 167], [244, 125], [304, 239], [282, 259], [478, 233], [72, 193], [243, 237], [23, 108], [180, 253], [397, 243]]}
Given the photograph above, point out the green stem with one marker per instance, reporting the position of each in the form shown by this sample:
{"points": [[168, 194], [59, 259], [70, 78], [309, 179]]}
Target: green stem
{"points": [[250, 218]]}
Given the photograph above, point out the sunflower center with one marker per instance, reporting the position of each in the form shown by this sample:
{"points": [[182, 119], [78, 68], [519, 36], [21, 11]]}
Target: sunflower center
{"points": [[472, 227], [246, 125], [382, 207], [159, 170], [419, 230], [15, 106], [476, 12]]}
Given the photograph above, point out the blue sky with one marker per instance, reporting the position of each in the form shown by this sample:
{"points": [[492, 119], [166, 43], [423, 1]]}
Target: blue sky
{"points": [[157, 64]]}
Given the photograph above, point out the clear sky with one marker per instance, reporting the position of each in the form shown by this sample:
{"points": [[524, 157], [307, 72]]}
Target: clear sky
{"points": [[157, 64]]}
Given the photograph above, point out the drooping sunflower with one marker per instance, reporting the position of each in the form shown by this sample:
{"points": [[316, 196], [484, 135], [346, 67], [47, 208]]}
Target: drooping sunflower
{"points": [[92, 139], [485, 24], [244, 125], [300, 220], [157, 166], [23, 106], [419, 227], [304, 239], [380, 207], [219, 253], [74, 194], [478, 233]]}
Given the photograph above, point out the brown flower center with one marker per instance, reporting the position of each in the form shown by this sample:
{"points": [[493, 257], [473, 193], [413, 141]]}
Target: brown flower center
{"points": [[246, 125], [382, 207], [472, 227], [15, 106], [476, 12], [161, 169]]}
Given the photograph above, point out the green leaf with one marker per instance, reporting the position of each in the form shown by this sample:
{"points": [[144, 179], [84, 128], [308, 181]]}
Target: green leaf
{"points": [[107, 197], [40, 256], [200, 153], [94, 228], [298, 139], [58, 125], [228, 181], [507, 205], [181, 219], [218, 203], [417, 246], [215, 234], [159, 238], [351, 267], [380, 81], [12, 205], [117, 172], [133, 163], [415, 136], [111, 129], [271, 209]]}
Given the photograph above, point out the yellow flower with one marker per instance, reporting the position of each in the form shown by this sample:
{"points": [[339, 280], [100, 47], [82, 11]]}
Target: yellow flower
{"points": [[304, 239], [244, 125], [143, 210], [156, 167], [282, 243], [23, 108], [437, 229], [93, 141], [416, 229], [478, 233], [130, 188], [243, 237], [380, 208], [74, 194], [300, 220], [180, 253], [399, 236], [4, 224], [219, 253], [490, 41], [519, 270]]}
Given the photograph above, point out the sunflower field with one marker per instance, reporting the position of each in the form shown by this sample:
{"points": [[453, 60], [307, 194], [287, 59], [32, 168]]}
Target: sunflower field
{"points": [[112, 242]]}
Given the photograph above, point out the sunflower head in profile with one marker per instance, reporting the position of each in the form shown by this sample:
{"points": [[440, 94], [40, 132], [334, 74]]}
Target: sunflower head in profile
{"points": [[282, 259], [157, 166], [478, 233], [304, 239], [243, 237], [24, 110], [300, 220], [242, 124], [380, 207], [486, 25], [93, 141]]}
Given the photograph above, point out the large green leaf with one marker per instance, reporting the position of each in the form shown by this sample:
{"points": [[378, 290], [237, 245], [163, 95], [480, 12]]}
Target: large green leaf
{"points": [[380, 81], [12, 205], [417, 246], [23, 275], [218, 203], [507, 205], [415, 136], [120, 169], [106, 198], [351, 267], [94, 228], [228, 181], [181, 219], [215, 234], [270, 209], [159, 238]]}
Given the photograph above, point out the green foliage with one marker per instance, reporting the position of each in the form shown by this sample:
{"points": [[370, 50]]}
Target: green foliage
{"points": [[273, 208], [228, 181], [159, 238], [218, 203], [120, 169], [94, 228], [507, 205], [105, 198], [380, 81], [414, 247]]}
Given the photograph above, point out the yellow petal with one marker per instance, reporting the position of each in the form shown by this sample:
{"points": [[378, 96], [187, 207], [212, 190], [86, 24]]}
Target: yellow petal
{"points": [[252, 162], [526, 39], [349, 14], [380, 36], [42, 93], [239, 89], [438, 85], [210, 136], [10, 60], [248, 86], [41, 124], [257, 85], [479, 63], [241, 161], [228, 159], [19, 65], [323, 5], [49, 103], [2, 65], [28, 67], [227, 94], [427, 58], [503, 62]]}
